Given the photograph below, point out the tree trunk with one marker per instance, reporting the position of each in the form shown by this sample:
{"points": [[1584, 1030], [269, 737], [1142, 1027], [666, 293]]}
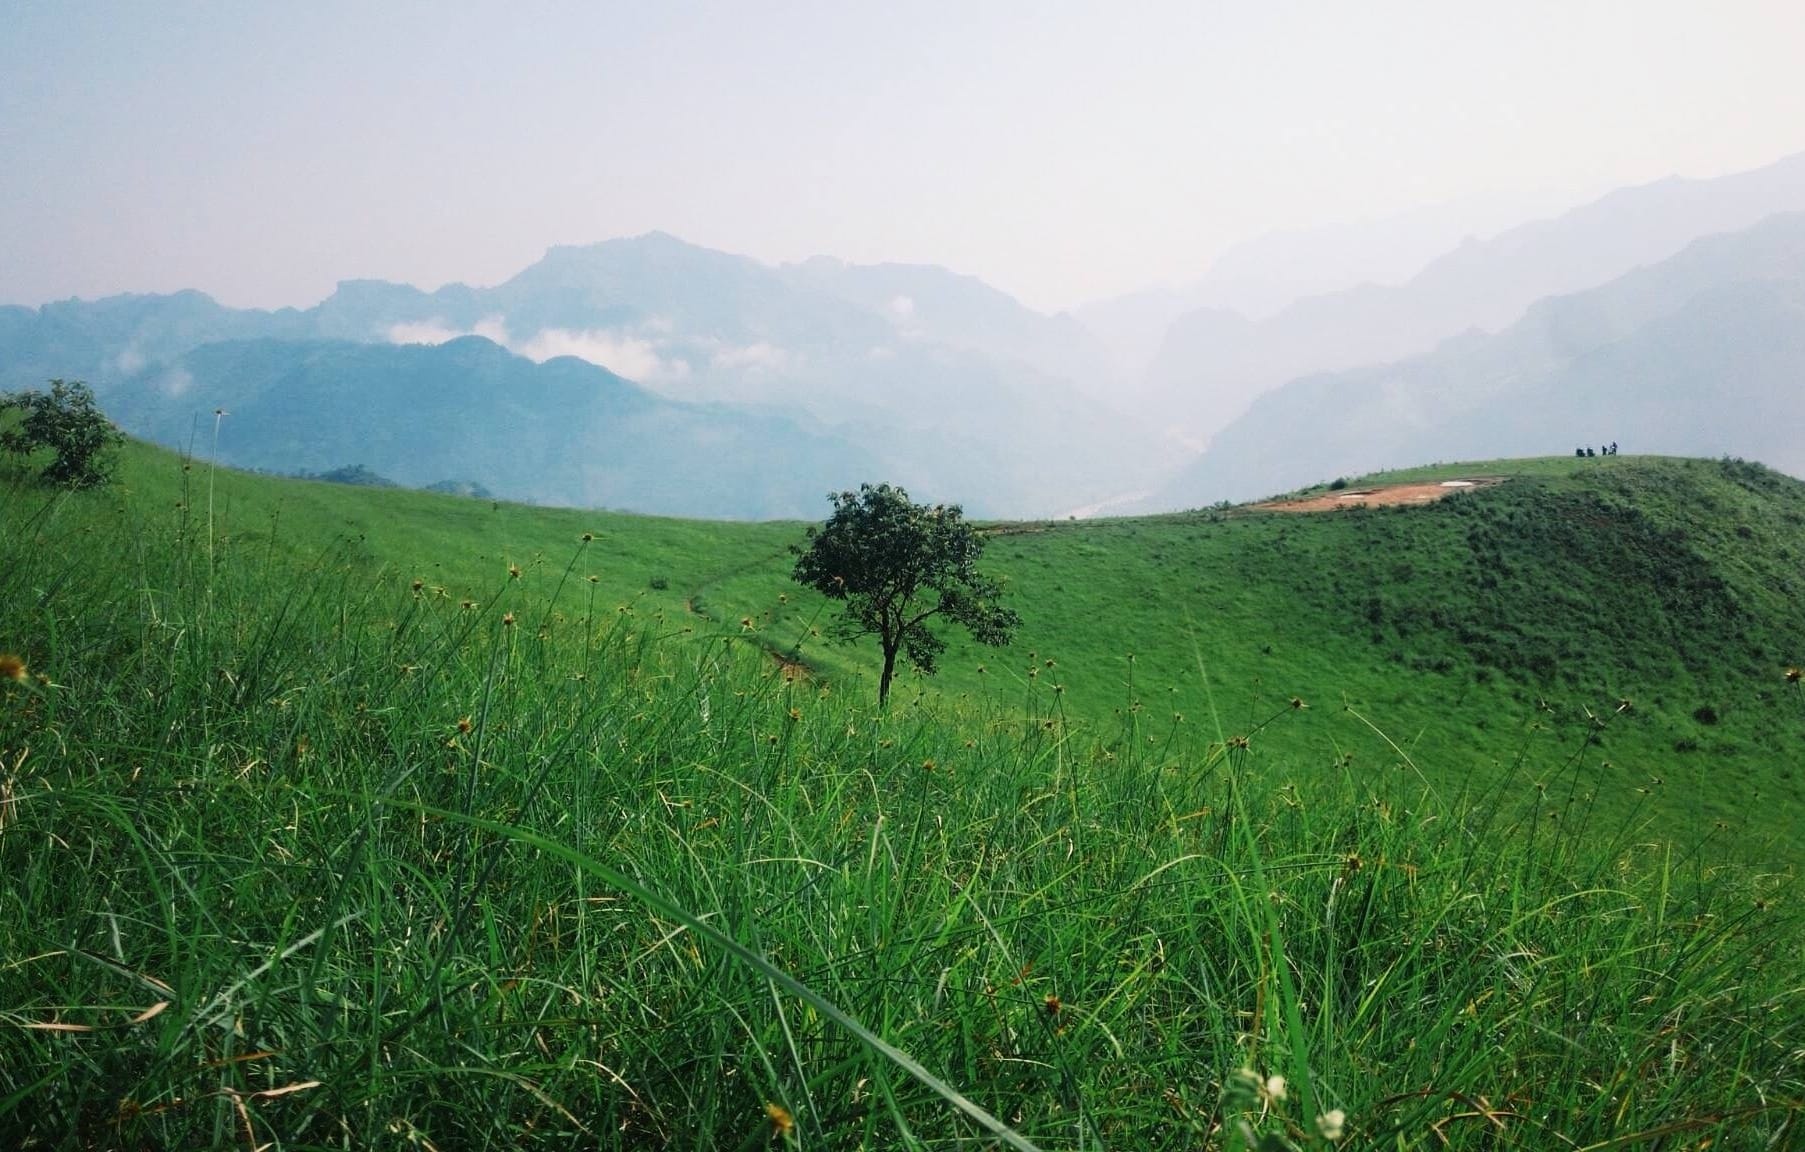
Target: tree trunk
{"points": [[883, 684]]}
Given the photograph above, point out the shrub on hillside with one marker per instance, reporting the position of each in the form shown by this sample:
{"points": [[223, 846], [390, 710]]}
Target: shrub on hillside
{"points": [[67, 423]]}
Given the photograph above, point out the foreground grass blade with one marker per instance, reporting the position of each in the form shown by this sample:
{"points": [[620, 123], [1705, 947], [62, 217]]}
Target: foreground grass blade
{"points": [[747, 957]]}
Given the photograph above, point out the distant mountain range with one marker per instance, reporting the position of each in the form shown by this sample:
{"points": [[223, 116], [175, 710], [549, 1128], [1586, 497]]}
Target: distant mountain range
{"points": [[1260, 277], [1701, 354], [561, 432], [654, 375], [835, 374], [1214, 363]]}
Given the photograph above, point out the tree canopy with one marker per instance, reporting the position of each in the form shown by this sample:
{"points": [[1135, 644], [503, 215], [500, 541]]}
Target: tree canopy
{"points": [[68, 423], [897, 567]]}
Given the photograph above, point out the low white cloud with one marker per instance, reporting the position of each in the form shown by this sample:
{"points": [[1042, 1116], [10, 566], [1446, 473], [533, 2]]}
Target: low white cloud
{"points": [[176, 381], [436, 331], [128, 362], [761, 356], [422, 332], [902, 307], [619, 353]]}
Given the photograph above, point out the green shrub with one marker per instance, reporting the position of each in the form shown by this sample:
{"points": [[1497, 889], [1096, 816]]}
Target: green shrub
{"points": [[67, 423]]}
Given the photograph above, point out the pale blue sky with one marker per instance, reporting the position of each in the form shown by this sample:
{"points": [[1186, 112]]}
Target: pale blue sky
{"points": [[262, 152]]}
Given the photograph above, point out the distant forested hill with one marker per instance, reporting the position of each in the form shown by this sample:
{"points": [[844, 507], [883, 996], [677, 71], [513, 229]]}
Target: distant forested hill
{"points": [[906, 373], [561, 432]]}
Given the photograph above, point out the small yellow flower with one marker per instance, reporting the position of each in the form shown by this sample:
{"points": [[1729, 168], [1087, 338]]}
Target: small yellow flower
{"points": [[12, 667], [418, 585], [513, 571], [782, 1123], [464, 726], [507, 619], [588, 536]]}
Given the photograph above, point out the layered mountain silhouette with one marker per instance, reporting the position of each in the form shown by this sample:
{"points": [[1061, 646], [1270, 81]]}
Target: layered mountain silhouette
{"points": [[564, 432], [1701, 354], [1260, 277], [1213, 362], [655, 375], [911, 374]]}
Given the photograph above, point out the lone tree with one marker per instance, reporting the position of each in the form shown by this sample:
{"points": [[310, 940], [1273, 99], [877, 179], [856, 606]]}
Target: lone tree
{"points": [[67, 422], [896, 566]]}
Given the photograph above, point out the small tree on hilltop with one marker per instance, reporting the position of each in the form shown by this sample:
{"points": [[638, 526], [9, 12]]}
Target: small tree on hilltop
{"points": [[68, 423], [896, 566]]}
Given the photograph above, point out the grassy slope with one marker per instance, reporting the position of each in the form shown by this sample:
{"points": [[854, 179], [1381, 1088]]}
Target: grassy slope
{"points": [[244, 794], [1490, 627], [1492, 623]]}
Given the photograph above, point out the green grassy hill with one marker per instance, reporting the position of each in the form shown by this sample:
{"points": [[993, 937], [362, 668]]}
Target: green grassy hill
{"points": [[1502, 625], [1499, 626], [335, 815]]}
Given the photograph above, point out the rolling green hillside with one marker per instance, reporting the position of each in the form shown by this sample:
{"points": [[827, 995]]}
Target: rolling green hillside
{"points": [[1636, 615], [1648, 606], [342, 816]]}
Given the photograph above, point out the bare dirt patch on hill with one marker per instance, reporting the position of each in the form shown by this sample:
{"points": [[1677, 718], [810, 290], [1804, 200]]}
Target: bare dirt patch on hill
{"points": [[1426, 492]]}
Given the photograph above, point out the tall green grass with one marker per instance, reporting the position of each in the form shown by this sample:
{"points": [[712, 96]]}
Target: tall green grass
{"points": [[298, 855]]}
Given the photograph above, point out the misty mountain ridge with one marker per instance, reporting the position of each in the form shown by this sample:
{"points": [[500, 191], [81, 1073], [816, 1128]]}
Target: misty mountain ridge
{"points": [[1258, 278], [561, 432], [1214, 362], [911, 373], [933, 380], [1701, 354]]}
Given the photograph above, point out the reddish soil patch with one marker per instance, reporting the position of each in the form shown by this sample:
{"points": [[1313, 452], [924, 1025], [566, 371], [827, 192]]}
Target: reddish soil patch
{"points": [[1425, 493]]}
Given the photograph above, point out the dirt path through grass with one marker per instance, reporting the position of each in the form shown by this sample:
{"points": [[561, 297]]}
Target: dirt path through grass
{"points": [[1423, 493]]}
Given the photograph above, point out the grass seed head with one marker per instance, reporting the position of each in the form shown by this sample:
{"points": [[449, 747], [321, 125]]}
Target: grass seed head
{"points": [[13, 667], [1331, 1124]]}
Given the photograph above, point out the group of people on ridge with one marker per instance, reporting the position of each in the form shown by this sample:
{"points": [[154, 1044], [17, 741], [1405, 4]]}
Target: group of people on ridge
{"points": [[1609, 450]]}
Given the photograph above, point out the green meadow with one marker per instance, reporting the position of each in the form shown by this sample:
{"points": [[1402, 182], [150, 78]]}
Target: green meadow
{"points": [[335, 817]]}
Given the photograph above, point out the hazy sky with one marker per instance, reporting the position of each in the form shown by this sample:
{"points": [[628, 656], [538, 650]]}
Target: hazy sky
{"points": [[262, 152]]}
